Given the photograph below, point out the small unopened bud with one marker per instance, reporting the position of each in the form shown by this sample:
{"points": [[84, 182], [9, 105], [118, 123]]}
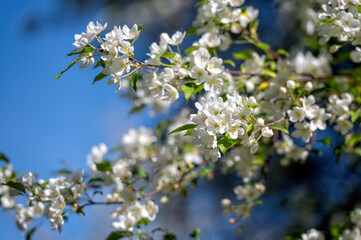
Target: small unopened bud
{"points": [[260, 122], [232, 221], [164, 199], [236, 28], [285, 162], [290, 84], [113, 215], [283, 89], [334, 48], [226, 202], [300, 100], [226, 211], [252, 101], [309, 86]]}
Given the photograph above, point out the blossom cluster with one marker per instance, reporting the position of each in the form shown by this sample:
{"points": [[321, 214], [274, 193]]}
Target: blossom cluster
{"points": [[49, 198], [7, 200], [237, 111], [233, 118], [116, 49], [241, 160], [248, 194], [225, 13], [341, 20], [347, 234]]}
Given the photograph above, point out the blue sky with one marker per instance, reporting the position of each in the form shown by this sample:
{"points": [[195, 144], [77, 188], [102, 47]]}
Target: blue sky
{"points": [[43, 121]]}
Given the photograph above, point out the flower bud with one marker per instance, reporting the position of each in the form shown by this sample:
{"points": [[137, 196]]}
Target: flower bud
{"points": [[267, 132], [226, 202], [285, 162], [164, 199], [290, 84], [283, 89], [309, 86], [252, 101], [334, 48], [260, 122]]}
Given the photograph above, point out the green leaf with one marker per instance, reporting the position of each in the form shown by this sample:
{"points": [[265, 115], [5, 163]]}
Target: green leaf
{"points": [[204, 172], [30, 233], [189, 132], [246, 54], [100, 63], [104, 166], [140, 28], [258, 202], [357, 150], [192, 30], [339, 151], [184, 192], [230, 62], [72, 64], [280, 127], [134, 80], [4, 158], [97, 192], [353, 214], [63, 172], [99, 77], [326, 20], [161, 128], [196, 234], [254, 106], [141, 173], [119, 235], [317, 152], [269, 73], [337, 230], [43, 185], [264, 46], [158, 230], [183, 128], [283, 52], [326, 141], [143, 221], [354, 116], [318, 90], [167, 55], [201, 2], [138, 108], [80, 211], [16, 185], [249, 129], [353, 140], [86, 49], [191, 49], [191, 88], [169, 236], [95, 179], [226, 143], [253, 27]]}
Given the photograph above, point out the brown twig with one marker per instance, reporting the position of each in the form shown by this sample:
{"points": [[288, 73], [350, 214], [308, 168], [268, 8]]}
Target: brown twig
{"points": [[178, 181], [151, 194], [141, 64]]}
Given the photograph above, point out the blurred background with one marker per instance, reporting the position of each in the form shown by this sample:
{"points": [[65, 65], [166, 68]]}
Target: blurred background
{"points": [[45, 123]]}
